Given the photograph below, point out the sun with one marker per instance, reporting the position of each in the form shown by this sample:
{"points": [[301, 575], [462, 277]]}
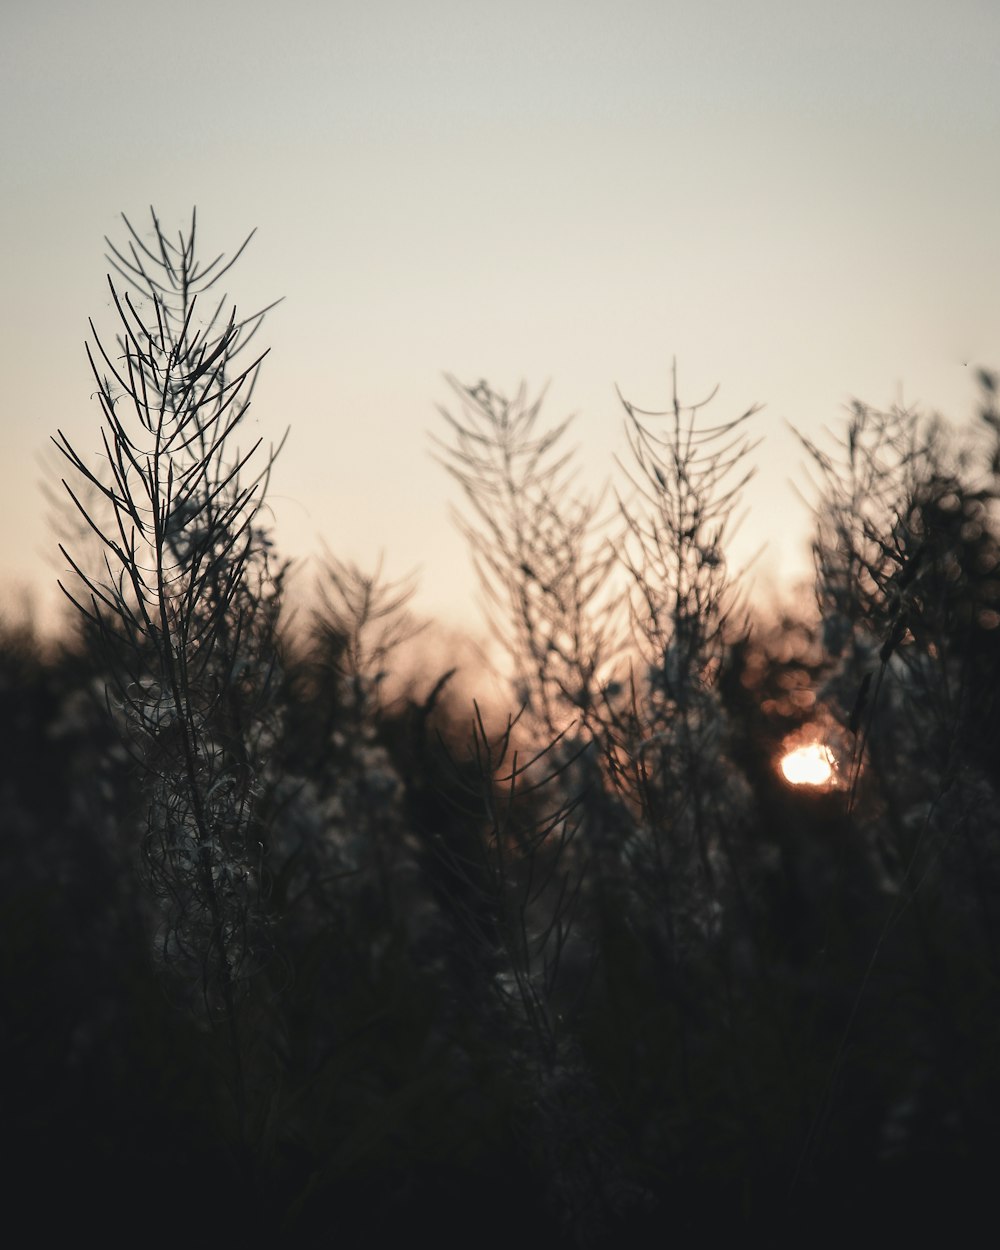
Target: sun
{"points": [[811, 765]]}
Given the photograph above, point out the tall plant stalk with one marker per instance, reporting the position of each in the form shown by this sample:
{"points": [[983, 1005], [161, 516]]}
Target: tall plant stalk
{"points": [[183, 606]]}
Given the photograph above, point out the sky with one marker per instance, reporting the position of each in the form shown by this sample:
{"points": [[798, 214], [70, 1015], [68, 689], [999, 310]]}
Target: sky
{"points": [[796, 201]]}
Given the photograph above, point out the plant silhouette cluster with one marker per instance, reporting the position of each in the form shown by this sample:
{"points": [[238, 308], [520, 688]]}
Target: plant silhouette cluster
{"points": [[301, 948]]}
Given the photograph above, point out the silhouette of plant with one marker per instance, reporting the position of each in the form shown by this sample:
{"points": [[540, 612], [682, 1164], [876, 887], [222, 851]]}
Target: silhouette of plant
{"points": [[592, 964], [542, 560], [185, 605]]}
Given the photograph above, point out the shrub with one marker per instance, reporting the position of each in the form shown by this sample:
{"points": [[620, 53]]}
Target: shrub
{"points": [[592, 965]]}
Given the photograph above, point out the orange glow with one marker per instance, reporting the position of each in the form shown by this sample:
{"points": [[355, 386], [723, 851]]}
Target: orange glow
{"points": [[810, 765]]}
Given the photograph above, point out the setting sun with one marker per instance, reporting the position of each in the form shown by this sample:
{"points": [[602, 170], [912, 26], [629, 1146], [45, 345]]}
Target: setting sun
{"points": [[811, 765]]}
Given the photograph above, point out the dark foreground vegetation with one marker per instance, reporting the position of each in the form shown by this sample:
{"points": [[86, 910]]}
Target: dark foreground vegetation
{"points": [[301, 950]]}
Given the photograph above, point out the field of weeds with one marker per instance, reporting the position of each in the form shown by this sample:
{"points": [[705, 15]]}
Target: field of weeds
{"points": [[303, 947]]}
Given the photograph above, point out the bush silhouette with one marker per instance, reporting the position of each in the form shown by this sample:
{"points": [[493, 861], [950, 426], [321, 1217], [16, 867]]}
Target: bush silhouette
{"points": [[298, 945]]}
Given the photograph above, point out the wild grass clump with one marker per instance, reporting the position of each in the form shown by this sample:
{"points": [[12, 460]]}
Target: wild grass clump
{"points": [[300, 944]]}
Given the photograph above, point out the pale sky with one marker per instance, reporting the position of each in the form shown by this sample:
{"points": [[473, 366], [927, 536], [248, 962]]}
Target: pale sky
{"points": [[798, 201]]}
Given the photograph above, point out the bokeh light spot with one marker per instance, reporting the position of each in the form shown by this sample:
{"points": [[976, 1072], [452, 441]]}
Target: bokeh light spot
{"points": [[810, 765]]}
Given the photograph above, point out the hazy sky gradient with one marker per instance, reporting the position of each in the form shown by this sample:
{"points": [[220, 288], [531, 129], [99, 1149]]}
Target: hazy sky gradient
{"points": [[798, 201]]}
